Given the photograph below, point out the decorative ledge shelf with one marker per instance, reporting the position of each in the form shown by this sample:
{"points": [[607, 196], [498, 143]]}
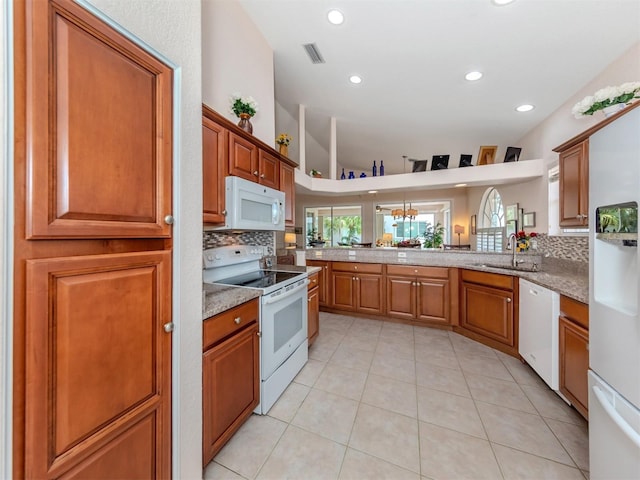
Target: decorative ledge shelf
{"points": [[483, 175]]}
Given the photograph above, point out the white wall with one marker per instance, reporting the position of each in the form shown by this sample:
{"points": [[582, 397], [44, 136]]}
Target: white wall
{"points": [[561, 125], [172, 28], [5, 237], [236, 58]]}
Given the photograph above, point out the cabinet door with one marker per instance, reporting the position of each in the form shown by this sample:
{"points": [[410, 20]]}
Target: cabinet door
{"points": [[98, 364], [343, 291], [214, 155], [433, 300], [99, 129], [488, 312], [288, 186], [401, 297], [574, 185], [574, 364], [323, 280], [231, 388], [370, 294], [313, 314], [243, 158], [268, 170]]}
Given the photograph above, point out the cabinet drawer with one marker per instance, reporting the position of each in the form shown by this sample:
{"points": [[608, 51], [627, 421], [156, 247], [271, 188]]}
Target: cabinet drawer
{"points": [[415, 271], [490, 279], [576, 311], [357, 267], [313, 281], [221, 326]]}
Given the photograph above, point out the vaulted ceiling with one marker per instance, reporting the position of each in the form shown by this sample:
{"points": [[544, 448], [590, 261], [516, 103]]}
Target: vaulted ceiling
{"points": [[413, 55]]}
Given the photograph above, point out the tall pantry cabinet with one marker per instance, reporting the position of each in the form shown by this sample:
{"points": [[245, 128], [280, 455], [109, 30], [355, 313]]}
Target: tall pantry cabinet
{"points": [[93, 248]]}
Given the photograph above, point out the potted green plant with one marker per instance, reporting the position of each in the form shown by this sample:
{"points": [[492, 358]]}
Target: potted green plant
{"points": [[244, 108], [433, 235]]}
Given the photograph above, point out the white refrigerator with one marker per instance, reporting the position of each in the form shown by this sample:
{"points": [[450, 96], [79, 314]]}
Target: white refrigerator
{"points": [[614, 322]]}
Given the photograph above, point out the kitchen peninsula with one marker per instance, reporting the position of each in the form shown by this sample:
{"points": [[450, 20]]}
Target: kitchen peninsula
{"points": [[568, 278]]}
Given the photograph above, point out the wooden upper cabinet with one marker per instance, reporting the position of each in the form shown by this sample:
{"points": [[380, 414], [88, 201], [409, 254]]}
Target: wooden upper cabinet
{"points": [[243, 158], [214, 163], [574, 185], [288, 186], [268, 170], [103, 167]]}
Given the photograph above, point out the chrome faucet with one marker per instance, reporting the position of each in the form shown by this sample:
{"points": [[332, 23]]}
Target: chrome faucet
{"points": [[513, 241]]}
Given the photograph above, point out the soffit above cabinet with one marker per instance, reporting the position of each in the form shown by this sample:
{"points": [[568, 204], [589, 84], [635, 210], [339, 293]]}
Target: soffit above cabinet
{"points": [[476, 176]]}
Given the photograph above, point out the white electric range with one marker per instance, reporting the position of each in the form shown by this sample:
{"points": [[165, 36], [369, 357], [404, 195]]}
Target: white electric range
{"points": [[283, 313]]}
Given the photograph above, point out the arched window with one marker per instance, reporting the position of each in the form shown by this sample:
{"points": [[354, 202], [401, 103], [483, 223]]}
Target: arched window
{"points": [[491, 227]]}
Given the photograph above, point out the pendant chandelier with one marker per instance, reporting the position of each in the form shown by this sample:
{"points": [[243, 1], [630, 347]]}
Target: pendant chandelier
{"points": [[403, 213]]}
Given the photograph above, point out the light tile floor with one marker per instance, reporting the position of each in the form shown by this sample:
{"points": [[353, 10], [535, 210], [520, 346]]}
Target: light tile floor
{"points": [[381, 400]]}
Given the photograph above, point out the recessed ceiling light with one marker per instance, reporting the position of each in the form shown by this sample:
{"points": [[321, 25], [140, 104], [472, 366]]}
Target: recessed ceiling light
{"points": [[373, 191], [473, 76], [356, 79], [525, 108], [335, 16], [460, 185], [502, 2]]}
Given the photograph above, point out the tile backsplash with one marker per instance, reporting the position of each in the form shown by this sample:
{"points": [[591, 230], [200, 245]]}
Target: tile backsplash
{"points": [[221, 239], [566, 248]]}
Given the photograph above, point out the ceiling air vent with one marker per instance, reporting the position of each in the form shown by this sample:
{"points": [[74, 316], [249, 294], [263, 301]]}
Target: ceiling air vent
{"points": [[313, 52]]}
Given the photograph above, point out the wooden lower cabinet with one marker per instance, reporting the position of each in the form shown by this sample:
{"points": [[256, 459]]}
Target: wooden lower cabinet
{"points": [[488, 309], [420, 294], [230, 374], [313, 309], [358, 287], [323, 280], [574, 353]]}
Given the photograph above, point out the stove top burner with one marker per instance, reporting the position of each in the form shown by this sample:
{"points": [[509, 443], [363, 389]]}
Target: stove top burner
{"points": [[259, 279]]}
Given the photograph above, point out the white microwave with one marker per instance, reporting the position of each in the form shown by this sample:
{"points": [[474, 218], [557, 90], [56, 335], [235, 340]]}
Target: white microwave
{"points": [[251, 206]]}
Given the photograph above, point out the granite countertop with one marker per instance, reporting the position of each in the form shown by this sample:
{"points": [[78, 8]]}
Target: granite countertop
{"points": [[219, 298], [566, 277], [563, 276]]}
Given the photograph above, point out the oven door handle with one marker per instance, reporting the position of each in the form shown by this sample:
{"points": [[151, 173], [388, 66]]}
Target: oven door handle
{"points": [[270, 300]]}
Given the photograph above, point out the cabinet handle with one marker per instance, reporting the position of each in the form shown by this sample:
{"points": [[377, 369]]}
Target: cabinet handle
{"points": [[355, 267], [224, 212], [255, 173], [237, 320], [308, 299], [168, 327], [508, 300], [262, 175], [168, 219], [353, 278]]}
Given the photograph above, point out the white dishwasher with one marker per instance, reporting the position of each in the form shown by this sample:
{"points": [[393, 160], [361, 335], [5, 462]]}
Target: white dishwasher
{"points": [[538, 330]]}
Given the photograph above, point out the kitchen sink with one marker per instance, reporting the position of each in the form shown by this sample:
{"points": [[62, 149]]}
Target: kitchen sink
{"points": [[528, 267]]}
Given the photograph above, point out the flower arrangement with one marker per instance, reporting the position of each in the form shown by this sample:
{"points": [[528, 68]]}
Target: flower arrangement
{"points": [[284, 139], [315, 173], [241, 105], [606, 97], [522, 235], [523, 240]]}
